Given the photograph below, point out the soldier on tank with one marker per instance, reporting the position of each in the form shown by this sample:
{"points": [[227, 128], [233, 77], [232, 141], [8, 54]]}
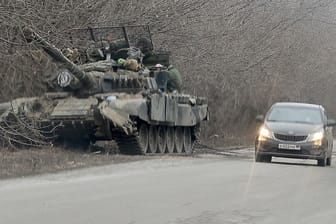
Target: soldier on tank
{"points": [[168, 80], [151, 57], [72, 54], [145, 45], [159, 67], [161, 76], [95, 50], [116, 46], [175, 80]]}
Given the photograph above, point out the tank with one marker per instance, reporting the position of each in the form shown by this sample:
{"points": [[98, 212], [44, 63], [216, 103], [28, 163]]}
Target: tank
{"points": [[112, 94]]}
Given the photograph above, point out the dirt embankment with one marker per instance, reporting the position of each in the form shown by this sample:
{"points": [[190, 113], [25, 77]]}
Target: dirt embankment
{"points": [[30, 162], [20, 163]]}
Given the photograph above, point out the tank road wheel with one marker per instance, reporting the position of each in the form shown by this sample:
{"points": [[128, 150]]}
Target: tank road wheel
{"points": [[187, 143], [170, 139], [162, 139], [178, 139], [152, 140], [143, 138]]}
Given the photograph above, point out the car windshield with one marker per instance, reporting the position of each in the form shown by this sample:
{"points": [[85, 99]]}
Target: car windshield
{"points": [[295, 115]]}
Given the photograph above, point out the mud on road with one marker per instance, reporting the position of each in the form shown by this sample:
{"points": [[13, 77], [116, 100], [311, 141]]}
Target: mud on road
{"points": [[242, 152]]}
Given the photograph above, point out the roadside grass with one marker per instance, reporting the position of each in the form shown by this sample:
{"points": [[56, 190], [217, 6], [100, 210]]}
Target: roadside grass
{"points": [[27, 162]]}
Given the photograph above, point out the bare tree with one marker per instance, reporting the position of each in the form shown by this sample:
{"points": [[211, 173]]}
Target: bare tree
{"points": [[242, 54]]}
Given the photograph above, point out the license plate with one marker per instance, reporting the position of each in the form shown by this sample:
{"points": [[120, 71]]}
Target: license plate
{"points": [[289, 146]]}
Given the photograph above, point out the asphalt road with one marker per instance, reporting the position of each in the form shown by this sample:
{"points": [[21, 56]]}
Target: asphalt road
{"points": [[210, 189]]}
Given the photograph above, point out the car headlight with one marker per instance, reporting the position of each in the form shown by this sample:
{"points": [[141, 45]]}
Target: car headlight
{"points": [[264, 133], [316, 136]]}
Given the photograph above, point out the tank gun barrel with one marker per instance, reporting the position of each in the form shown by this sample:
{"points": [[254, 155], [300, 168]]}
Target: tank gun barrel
{"points": [[57, 55]]}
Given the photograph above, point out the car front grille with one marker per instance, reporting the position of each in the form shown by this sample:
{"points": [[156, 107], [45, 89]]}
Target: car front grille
{"points": [[290, 138]]}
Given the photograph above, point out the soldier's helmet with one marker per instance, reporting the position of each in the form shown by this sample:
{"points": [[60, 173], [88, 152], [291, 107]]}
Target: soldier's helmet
{"points": [[158, 66]]}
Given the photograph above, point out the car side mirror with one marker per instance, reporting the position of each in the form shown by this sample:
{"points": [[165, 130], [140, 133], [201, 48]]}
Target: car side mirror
{"points": [[331, 123], [260, 118]]}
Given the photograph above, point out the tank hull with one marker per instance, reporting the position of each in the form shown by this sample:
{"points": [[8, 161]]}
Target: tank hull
{"points": [[139, 123]]}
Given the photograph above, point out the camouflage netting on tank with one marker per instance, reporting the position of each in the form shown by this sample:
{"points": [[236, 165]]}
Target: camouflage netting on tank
{"points": [[21, 126]]}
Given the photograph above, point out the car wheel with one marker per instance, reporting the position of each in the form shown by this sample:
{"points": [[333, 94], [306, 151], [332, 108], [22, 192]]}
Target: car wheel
{"points": [[264, 159], [329, 161], [267, 159], [322, 162], [261, 158], [257, 157]]}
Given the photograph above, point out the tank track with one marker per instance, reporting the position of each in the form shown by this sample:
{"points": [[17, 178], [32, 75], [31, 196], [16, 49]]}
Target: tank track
{"points": [[129, 145], [134, 144]]}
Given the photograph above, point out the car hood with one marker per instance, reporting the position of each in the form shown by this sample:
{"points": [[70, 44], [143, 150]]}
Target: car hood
{"points": [[293, 128]]}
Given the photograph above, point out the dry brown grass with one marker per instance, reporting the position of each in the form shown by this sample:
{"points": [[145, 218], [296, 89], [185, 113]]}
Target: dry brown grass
{"points": [[28, 162]]}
